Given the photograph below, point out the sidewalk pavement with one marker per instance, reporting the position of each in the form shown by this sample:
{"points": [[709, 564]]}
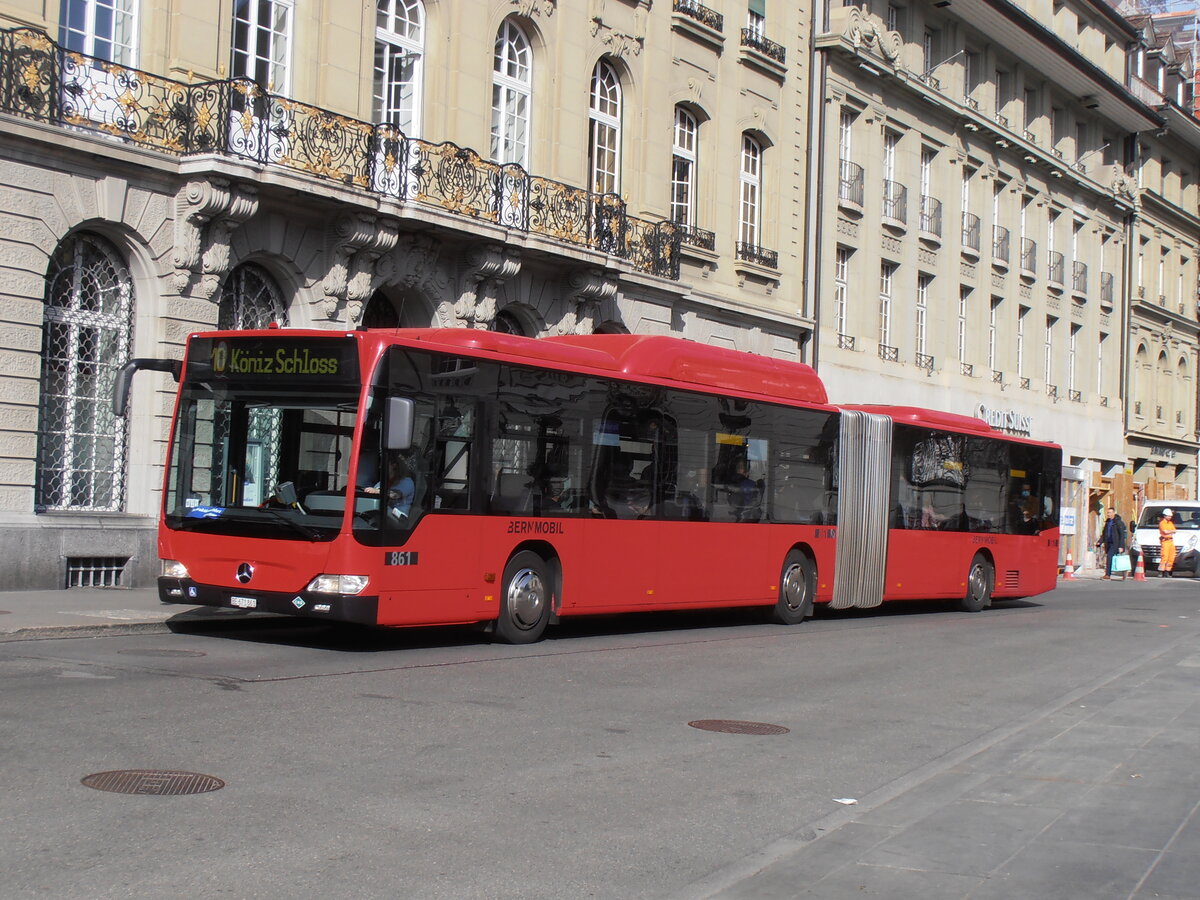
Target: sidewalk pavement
{"points": [[90, 612]]}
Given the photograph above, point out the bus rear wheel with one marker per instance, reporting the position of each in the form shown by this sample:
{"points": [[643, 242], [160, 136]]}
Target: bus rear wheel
{"points": [[525, 603], [980, 579], [795, 590]]}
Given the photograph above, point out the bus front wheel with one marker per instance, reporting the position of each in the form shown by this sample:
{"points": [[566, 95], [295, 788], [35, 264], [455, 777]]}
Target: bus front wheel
{"points": [[980, 580], [795, 590], [525, 603]]}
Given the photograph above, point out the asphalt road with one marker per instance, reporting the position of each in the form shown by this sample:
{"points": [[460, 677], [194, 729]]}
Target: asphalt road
{"points": [[432, 764]]}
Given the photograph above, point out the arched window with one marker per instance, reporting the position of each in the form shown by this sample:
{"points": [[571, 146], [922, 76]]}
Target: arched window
{"points": [[86, 334], [512, 85], [399, 63], [507, 323], [750, 178], [683, 168], [604, 137], [251, 299], [380, 312]]}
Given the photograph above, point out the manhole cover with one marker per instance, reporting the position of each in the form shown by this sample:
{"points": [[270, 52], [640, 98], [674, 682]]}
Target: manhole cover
{"points": [[153, 652], [152, 781], [730, 726]]}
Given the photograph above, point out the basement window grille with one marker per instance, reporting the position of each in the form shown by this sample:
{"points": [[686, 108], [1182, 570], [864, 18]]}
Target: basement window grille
{"points": [[96, 571]]}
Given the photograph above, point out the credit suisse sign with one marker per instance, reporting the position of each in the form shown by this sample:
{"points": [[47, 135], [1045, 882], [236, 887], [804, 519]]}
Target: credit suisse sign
{"points": [[1006, 419]]}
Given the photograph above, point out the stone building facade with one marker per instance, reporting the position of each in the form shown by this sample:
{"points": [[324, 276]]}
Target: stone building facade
{"points": [[992, 212], [175, 166]]}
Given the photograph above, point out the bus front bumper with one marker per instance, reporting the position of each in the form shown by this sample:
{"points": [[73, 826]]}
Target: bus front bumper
{"points": [[339, 607]]}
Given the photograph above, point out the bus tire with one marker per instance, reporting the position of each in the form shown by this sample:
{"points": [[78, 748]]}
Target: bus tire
{"points": [[980, 580], [526, 599], [796, 581]]}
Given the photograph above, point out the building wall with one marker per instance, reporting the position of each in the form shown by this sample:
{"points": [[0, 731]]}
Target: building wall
{"points": [[185, 224]]}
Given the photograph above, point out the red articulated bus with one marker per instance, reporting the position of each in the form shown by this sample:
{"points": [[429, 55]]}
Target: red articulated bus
{"points": [[439, 476]]}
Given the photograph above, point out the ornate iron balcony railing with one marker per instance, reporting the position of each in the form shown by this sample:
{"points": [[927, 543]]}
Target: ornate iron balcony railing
{"points": [[754, 39], [237, 118], [1075, 396], [1079, 273], [970, 231], [1054, 267], [924, 361], [1024, 382], [1104, 401], [850, 182], [931, 215], [965, 368], [895, 201], [698, 237], [1106, 288], [890, 354], [997, 376], [1052, 391], [755, 254], [701, 14], [1029, 256], [1000, 240], [845, 342]]}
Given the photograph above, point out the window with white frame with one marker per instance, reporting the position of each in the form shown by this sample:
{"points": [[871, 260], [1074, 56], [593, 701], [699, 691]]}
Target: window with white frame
{"points": [[512, 87], [399, 63], [1072, 350], [964, 295], [845, 134], [1022, 314], [1100, 363], [683, 168], [1048, 362], [923, 281], [887, 274], [87, 329], [993, 330], [750, 179], [262, 33], [841, 288], [604, 119], [927, 155], [756, 17], [891, 140], [106, 29]]}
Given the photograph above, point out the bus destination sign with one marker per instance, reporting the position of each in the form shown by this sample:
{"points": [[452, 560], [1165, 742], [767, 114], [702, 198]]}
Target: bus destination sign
{"points": [[252, 359]]}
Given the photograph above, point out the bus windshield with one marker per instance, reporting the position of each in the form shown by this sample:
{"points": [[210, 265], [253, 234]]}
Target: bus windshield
{"points": [[264, 464]]}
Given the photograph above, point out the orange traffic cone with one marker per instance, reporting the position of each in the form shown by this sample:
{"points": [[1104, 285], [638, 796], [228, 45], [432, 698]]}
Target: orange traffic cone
{"points": [[1139, 573], [1069, 569]]}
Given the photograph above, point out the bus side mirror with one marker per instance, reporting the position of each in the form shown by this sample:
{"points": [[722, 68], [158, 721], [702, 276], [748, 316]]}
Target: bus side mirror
{"points": [[398, 433]]}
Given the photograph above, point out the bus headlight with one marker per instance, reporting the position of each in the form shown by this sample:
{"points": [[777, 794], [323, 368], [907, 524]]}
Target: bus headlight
{"points": [[338, 584], [173, 568]]}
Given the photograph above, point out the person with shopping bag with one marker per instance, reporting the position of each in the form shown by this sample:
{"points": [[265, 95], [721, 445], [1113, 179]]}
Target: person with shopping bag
{"points": [[1113, 539]]}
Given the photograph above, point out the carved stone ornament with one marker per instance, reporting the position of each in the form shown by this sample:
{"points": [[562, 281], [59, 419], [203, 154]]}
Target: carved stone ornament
{"points": [[207, 212], [619, 44], [354, 242], [866, 31], [587, 289], [531, 8], [485, 268]]}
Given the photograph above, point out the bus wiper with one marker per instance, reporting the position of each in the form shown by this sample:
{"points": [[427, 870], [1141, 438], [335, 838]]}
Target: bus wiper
{"points": [[309, 533]]}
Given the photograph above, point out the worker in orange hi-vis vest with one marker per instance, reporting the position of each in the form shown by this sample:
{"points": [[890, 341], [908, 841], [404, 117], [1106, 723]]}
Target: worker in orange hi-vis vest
{"points": [[1166, 538]]}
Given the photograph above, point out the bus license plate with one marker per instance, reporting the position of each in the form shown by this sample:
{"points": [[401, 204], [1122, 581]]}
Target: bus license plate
{"points": [[244, 602]]}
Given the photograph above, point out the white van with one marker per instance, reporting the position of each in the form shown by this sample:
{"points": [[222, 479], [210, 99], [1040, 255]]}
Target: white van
{"points": [[1186, 516]]}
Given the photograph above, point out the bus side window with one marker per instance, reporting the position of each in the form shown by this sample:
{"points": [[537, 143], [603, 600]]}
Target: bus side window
{"points": [[452, 456]]}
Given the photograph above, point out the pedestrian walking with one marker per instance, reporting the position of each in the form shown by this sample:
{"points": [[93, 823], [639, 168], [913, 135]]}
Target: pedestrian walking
{"points": [[1114, 539]]}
